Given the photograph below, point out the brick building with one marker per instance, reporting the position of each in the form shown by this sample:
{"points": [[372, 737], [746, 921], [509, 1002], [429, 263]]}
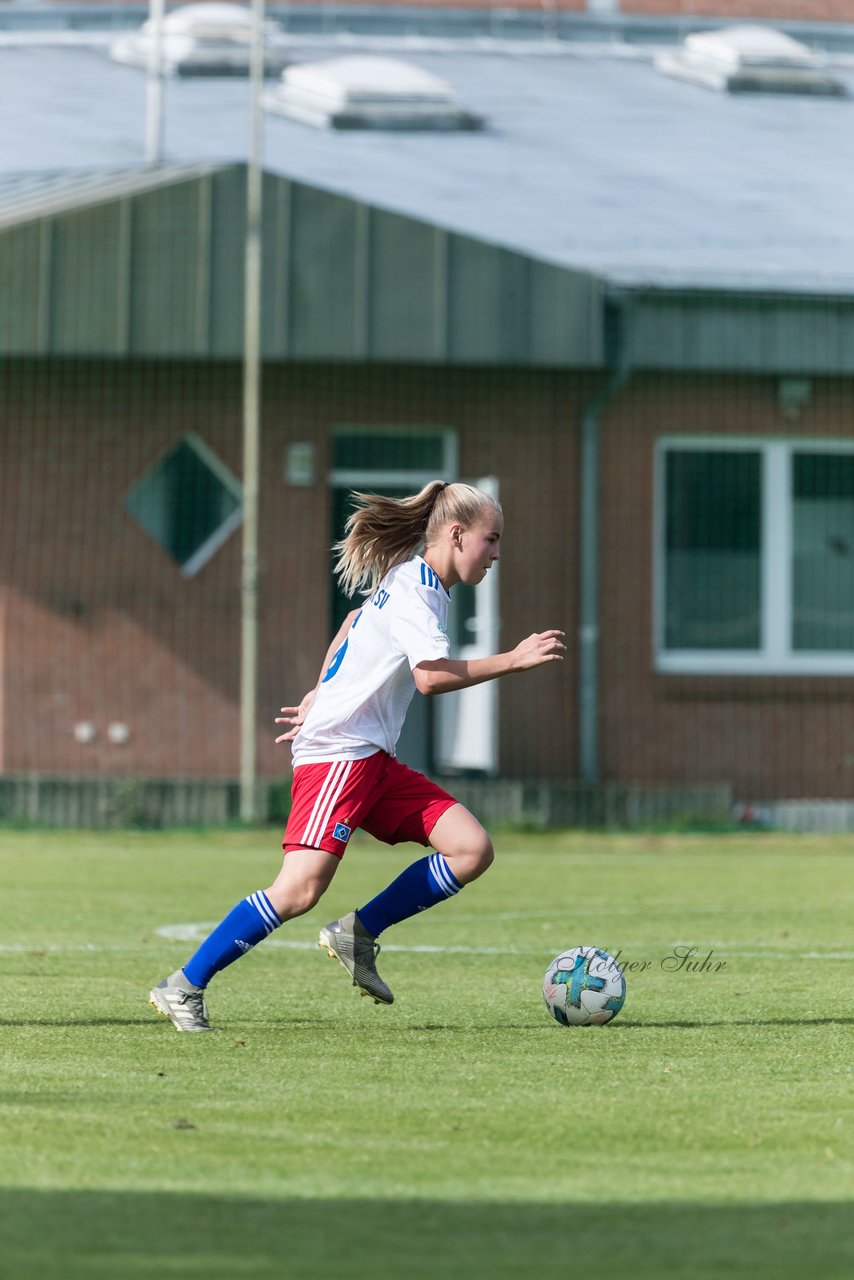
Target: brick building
{"points": [[644, 339]]}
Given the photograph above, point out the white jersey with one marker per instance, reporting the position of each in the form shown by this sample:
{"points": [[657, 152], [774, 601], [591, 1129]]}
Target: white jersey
{"points": [[365, 693]]}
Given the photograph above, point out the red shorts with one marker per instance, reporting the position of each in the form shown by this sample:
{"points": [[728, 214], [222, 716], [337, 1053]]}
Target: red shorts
{"points": [[379, 794]]}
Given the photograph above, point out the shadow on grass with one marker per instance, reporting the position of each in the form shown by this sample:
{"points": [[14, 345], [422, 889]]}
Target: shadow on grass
{"points": [[299, 1025], [70, 1022], [684, 1024], [102, 1235]]}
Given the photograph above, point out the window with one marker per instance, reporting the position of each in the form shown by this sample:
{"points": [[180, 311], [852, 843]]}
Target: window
{"points": [[383, 451], [755, 557], [394, 461], [823, 553], [712, 549], [189, 503]]}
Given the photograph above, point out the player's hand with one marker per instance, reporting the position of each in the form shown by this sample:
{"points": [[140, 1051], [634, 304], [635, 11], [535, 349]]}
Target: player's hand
{"points": [[537, 649], [294, 716]]}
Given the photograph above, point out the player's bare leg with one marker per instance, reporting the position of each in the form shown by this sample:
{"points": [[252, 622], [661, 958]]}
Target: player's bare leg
{"points": [[305, 876], [463, 852], [464, 844]]}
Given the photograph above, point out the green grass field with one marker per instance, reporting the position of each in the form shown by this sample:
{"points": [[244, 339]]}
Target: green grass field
{"points": [[460, 1134]]}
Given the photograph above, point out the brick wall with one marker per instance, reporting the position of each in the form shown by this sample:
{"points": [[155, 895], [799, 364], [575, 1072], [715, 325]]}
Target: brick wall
{"points": [[770, 736], [747, 10], [102, 627], [97, 624]]}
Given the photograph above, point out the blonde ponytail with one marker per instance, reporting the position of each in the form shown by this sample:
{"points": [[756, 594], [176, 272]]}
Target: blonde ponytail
{"points": [[383, 532]]}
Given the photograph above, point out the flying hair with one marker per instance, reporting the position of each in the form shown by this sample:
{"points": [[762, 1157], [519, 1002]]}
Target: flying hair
{"points": [[384, 532]]}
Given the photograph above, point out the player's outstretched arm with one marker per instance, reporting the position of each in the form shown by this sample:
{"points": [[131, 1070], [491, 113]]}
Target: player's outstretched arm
{"points": [[445, 675]]}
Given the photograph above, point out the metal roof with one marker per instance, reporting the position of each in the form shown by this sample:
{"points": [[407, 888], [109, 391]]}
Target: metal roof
{"points": [[727, 220], [25, 196], [150, 263], [591, 159]]}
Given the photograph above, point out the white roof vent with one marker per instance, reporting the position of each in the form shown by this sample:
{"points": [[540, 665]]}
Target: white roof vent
{"points": [[210, 21], [202, 40], [364, 92], [748, 59]]}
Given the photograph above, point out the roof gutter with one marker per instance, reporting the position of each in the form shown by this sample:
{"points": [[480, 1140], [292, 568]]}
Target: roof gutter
{"points": [[620, 371]]}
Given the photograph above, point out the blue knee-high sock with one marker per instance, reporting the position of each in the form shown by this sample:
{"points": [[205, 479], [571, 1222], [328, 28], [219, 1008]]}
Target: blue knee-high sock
{"points": [[244, 927], [421, 885]]}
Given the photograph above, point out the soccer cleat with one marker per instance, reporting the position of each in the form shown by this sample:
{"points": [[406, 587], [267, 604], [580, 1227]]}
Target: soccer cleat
{"points": [[186, 1010], [357, 950]]}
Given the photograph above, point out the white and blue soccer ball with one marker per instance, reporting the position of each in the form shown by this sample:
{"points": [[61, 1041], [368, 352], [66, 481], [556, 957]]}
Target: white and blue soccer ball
{"points": [[584, 987]]}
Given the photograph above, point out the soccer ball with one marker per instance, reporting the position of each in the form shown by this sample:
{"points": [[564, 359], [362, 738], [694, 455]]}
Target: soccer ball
{"points": [[584, 987]]}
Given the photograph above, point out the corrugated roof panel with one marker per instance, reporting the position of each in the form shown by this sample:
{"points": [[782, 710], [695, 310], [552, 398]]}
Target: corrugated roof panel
{"points": [[565, 309], [227, 233], [592, 160], [488, 294], [28, 196], [170, 271], [719, 332], [406, 323], [89, 280], [23, 307], [156, 269], [324, 308]]}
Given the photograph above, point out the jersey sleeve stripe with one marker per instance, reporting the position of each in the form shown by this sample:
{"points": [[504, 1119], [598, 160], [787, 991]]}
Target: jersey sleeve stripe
{"points": [[429, 578]]}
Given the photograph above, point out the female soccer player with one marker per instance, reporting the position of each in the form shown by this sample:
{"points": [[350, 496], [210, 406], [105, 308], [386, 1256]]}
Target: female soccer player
{"points": [[345, 730]]}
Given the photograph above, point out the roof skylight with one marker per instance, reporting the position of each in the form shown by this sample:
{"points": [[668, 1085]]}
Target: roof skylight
{"points": [[367, 92], [201, 39], [748, 59]]}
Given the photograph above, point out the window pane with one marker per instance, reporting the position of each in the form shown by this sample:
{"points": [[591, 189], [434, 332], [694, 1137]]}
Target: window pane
{"points": [[380, 452], [712, 549], [823, 551], [182, 502]]}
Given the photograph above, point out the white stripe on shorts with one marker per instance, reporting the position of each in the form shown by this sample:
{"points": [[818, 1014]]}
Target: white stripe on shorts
{"points": [[326, 801]]}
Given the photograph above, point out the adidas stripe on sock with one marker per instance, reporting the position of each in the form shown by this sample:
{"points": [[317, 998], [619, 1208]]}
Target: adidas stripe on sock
{"points": [[247, 924], [421, 886]]}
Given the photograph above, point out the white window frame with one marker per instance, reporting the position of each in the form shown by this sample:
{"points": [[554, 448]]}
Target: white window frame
{"points": [[359, 477], [223, 532], [774, 656]]}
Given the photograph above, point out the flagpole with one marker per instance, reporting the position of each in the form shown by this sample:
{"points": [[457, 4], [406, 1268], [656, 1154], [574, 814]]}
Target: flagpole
{"points": [[251, 428], [154, 85]]}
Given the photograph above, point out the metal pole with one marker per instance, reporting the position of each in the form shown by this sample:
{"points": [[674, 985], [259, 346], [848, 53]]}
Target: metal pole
{"points": [[154, 85], [588, 629], [251, 427], [588, 621]]}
